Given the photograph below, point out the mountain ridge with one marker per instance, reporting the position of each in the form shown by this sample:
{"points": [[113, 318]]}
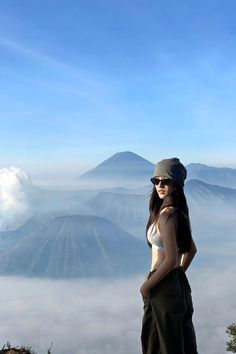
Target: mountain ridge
{"points": [[129, 169]]}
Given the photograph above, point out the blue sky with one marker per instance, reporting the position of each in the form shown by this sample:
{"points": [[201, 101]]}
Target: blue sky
{"points": [[82, 80]]}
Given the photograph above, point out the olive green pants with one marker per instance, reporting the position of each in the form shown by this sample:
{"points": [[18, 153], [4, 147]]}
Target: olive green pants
{"points": [[167, 326]]}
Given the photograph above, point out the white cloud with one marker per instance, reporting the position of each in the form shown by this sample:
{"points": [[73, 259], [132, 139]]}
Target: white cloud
{"points": [[95, 316], [13, 200]]}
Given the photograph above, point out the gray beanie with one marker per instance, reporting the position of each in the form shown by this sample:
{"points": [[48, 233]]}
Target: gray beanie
{"points": [[171, 168]]}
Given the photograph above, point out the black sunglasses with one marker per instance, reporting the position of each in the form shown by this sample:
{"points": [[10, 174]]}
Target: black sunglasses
{"points": [[164, 181]]}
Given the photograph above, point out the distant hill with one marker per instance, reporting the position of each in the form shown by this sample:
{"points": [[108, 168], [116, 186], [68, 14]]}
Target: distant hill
{"points": [[74, 246], [130, 211], [35, 224], [221, 176], [122, 169], [205, 191], [212, 214]]}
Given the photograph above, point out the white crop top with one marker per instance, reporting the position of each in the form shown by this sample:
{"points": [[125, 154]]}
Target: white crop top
{"points": [[154, 237]]}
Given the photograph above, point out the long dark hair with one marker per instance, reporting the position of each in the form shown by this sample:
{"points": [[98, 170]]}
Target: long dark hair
{"points": [[177, 200]]}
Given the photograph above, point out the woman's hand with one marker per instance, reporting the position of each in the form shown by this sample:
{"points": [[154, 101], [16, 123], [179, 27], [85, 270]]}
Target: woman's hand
{"points": [[145, 290]]}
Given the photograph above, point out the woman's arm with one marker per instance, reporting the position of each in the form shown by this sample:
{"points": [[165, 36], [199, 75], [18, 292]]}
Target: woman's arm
{"points": [[168, 231], [188, 257]]}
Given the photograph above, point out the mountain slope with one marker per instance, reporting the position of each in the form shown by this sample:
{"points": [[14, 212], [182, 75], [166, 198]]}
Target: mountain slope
{"points": [[32, 226], [222, 176], [130, 211], [201, 189], [212, 215], [123, 168], [76, 246]]}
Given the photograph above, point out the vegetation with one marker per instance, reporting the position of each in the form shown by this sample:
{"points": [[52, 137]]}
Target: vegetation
{"points": [[8, 349], [231, 345]]}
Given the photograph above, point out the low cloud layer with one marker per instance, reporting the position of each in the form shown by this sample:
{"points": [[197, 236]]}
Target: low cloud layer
{"points": [[95, 316], [14, 209]]}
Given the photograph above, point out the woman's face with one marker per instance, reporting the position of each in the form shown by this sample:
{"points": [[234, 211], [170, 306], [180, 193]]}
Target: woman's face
{"points": [[164, 190]]}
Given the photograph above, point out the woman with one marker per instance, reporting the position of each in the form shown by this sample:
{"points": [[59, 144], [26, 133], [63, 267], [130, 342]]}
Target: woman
{"points": [[167, 326]]}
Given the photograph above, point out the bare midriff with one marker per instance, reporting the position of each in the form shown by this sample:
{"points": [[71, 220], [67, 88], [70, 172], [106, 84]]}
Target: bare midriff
{"points": [[159, 256]]}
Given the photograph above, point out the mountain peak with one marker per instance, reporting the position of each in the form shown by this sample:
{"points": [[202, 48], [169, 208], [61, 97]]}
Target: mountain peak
{"points": [[125, 166], [123, 157], [196, 164]]}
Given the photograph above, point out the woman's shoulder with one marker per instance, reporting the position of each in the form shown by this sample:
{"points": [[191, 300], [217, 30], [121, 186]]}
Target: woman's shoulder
{"points": [[166, 213], [169, 210]]}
